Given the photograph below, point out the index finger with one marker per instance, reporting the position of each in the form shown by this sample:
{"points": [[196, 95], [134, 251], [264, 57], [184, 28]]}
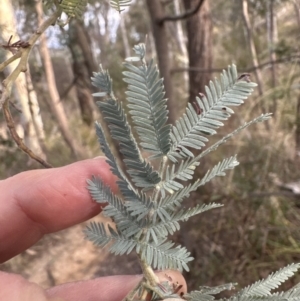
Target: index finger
{"points": [[36, 202]]}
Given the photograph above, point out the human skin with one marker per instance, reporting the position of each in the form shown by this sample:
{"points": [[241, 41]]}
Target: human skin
{"points": [[38, 202]]}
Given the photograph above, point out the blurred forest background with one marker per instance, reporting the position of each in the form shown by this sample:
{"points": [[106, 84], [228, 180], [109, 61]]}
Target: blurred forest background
{"points": [[257, 231]]}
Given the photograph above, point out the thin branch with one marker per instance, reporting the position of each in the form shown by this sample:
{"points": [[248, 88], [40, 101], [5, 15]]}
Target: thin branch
{"points": [[10, 60], [12, 129], [24, 54], [68, 89], [182, 16], [250, 69]]}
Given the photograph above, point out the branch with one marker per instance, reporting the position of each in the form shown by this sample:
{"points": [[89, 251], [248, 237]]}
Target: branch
{"points": [[182, 16], [250, 69], [68, 89], [24, 54], [12, 129], [10, 60]]}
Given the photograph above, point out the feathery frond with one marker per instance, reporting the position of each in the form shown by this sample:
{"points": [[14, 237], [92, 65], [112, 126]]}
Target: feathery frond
{"points": [[166, 205], [103, 81], [141, 172], [259, 298], [141, 208], [115, 169], [150, 207], [219, 169], [147, 104], [73, 8], [207, 293], [171, 225], [264, 287], [163, 256], [208, 113], [125, 186], [100, 236], [261, 118], [171, 185], [115, 209], [119, 5], [291, 293]]}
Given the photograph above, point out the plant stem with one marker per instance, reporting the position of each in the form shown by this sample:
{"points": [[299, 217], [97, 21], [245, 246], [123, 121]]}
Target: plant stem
{"points": [[148, 272]]}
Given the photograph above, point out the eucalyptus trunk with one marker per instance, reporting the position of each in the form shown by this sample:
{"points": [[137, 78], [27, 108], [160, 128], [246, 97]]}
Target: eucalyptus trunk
{"points": [[199, 32], [55, 104]]}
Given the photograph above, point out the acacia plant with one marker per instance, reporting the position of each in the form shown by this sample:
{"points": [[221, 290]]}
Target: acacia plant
{"points": [[149, 205]]}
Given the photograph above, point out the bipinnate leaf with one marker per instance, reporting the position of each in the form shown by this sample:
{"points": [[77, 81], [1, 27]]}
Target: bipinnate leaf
{"points": [[115, 208], [207, 113], [147, 105], [141, 172], [103, 81], [149, 205], [207, 293], [265, 286], [163, 256]]}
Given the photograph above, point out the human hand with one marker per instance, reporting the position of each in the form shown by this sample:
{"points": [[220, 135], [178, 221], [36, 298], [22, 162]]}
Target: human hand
{"points": [[37, 202]]}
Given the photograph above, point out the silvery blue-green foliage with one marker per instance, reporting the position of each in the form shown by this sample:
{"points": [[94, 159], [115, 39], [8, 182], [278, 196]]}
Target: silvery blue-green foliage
{"points": [[150, 206], [259, 291], [191, 129], [147, 105]]}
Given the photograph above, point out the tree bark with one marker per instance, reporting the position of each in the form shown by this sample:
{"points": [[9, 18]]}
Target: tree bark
{"points": [[55, 105], [124, 35], [272, 39], [181, 44], [35, 111], [27, 100], [83, 67], [156, 12], [251, 44], [199, 32]]}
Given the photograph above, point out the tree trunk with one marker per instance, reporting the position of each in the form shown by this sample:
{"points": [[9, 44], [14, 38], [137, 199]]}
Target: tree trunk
{"points": [[199, 32], [83, 67], [181, 41], [35, 110], [156, 12], [124, 35], [27, 100], [297, 133], [101, 31], [55, 105], [297, 136], [297, 11], [251, 44], [272, 40]]}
